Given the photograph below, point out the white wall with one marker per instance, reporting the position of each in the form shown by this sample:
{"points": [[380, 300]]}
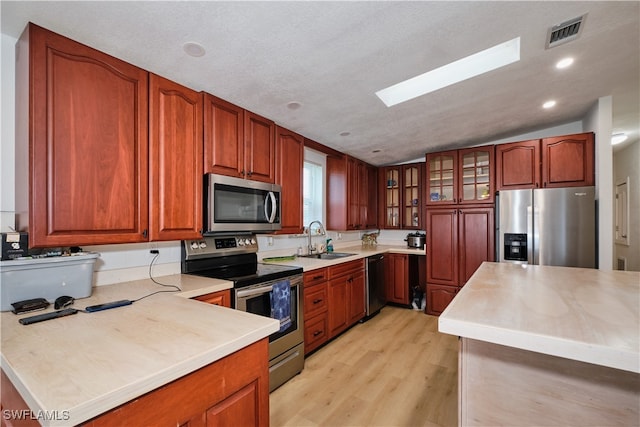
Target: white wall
{"points": [[7, 138], [600, 120], [626, 165]]}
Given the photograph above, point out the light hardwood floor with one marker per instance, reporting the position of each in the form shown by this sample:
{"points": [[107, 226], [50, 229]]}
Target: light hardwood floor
{"points": [[394, 370]]}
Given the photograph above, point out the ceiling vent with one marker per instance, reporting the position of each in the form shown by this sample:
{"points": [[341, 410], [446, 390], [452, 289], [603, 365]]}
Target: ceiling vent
{"points": [[565, 32]]}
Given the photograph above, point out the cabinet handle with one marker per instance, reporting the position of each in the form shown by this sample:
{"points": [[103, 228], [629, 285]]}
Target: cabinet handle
{"points": [[250, 173], [316, 333], [317, 277], [316, 301], [242, 172], [350, 279], [537, 185], [545, 184], [145, 233]]}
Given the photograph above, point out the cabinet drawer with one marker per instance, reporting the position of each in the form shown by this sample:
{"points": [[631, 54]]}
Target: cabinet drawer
{"points": [[345, 268], [315, 332], [315, 300], [315, 276], [222, 298]]}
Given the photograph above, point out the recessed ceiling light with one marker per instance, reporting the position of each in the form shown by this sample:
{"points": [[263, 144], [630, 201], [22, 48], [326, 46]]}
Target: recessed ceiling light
{"points": [[455, 72], [193, 49], [618, 138], [549, 104], [564, 63], [345, 133], [294, 105]]}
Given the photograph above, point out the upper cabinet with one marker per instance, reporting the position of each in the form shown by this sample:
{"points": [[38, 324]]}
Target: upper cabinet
{"points": [[564, 161], [81, 144], [289, 166], [349, 205], [175, 161], [237, 142], [402, 190], [461, 176], [113, 156]]}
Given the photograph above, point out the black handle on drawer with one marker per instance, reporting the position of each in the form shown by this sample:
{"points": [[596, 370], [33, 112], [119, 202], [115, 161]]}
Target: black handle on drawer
{"points": [[317, 277], [316, 301], [316, 333]]}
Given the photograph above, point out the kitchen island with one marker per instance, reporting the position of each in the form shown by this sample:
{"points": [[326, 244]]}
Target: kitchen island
{"points": [[547, 346], [103, 366]]}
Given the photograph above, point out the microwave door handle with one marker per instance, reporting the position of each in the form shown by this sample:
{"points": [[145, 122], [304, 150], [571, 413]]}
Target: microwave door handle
{"points": [[250, 292], [270, 217]]}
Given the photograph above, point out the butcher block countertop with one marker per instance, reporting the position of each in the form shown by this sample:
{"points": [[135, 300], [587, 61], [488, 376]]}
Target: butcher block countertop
{"points": [[581, 314], [89, 363]]}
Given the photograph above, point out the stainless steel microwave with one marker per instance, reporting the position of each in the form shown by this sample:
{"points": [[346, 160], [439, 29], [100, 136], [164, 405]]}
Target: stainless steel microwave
{"points": [[235, 204]]}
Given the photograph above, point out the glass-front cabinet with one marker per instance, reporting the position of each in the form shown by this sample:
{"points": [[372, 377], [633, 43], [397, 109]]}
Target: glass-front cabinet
{"points": [[403, 203], [476, 175], [442, 178], [392, 197], [461, 176], [411, 200]]}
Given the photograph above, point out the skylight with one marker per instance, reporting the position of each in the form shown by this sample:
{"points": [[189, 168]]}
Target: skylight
{"points": [[455, 72]]}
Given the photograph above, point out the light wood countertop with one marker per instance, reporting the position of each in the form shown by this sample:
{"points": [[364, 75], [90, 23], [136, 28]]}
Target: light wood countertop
{"points": [[89, 363], [581, 314]]}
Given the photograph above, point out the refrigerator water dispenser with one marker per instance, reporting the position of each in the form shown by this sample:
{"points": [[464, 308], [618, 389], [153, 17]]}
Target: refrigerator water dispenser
{"points": [[515, 247]]}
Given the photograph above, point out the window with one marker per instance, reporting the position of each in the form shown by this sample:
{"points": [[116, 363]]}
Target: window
{"points": [[313, 189]]}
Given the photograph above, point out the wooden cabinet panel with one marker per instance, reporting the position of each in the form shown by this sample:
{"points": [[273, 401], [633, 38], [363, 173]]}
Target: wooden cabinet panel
{"points": [[316, 308], [223, 137], [314, 277], [476, 229], [338, 309], [260, 153], [337, 184], [315, 332], [476, 175], [348, 191], [518, 165], [175, 161], [221, 298], [289, 166], [315, 300], [372, 197], [439, 297], [402, 196], [345, 268], [397, 278], [231, 391], [442, 246], [442, 178], [357, 297], [568, 161], [83, 114]]}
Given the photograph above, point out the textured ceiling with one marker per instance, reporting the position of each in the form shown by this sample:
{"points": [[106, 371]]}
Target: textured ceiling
{"points": [[331, 57]]}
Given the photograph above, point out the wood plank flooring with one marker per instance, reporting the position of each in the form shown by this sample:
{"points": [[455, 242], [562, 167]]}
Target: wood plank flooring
{"points": [[394, 370]]}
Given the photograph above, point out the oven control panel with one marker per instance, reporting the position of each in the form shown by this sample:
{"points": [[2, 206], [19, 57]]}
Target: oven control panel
{"points": [[211, 246]]}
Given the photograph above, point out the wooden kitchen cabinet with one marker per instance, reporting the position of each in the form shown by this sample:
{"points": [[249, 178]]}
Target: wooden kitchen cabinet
{"points": [[221, 298], [316, 306], [459, 240], [175, 161], [463, 176], [237, 142], [397, 278], [289, 167], [563, 161], [231, 391], [372, 197], [348, 190], [346, 295], [81, 144], [402, 201]]}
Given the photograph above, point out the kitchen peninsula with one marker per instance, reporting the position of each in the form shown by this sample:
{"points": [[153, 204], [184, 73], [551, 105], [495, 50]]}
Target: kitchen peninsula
{"points": [[547, 345], [111, 364]]}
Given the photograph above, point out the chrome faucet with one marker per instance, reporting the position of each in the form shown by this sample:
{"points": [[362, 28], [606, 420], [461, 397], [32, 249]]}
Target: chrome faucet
{"points": [[311, 247]]}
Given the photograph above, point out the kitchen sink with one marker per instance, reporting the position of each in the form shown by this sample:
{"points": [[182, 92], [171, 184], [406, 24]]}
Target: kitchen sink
{"points": [[327, 255]]}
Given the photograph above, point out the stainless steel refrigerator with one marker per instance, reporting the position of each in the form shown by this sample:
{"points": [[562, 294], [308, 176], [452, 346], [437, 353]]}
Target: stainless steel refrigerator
{"points": [[555, 226]]}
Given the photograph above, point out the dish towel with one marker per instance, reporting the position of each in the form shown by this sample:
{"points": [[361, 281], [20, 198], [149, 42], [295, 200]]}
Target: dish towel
{"points": [[281, 303]]}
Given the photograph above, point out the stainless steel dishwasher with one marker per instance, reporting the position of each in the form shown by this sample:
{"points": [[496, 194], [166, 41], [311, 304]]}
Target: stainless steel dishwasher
{"points": [[375, 285]]}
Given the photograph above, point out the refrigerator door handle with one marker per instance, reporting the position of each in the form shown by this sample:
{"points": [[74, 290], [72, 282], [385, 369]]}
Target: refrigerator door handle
{"points": [[532, 243]]}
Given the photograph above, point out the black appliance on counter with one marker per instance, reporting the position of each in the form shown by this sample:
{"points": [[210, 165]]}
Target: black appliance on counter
{"points": [[232, 257], [416, 240]]}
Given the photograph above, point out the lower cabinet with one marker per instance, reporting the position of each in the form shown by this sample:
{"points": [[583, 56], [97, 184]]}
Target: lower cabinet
{"points": [[397, 278], [231, 391], [222, 298], [334, 299], [439, 297]]}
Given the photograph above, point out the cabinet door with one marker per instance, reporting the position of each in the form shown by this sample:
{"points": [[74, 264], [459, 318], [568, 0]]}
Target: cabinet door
{"points": [[316, 332], [518, 165], [175, 161], [338, 310], [476, 175], [392, 197], [353, 195], [221, 298], [442, 178], [476, 243], [411, 200], [439, 297], [289, 166], [357, 297], [568, 161], [337, 193], [372, 197], [397, 278], [442, 246], [84, 117], [259, 135], [223, 137]]}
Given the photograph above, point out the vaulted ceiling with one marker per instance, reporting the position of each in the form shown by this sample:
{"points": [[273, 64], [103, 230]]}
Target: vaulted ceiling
{"points": [[329, 59]]}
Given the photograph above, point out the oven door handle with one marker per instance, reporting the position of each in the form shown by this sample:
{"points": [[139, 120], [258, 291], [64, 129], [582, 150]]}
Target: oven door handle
{"points": [[249, 292]]}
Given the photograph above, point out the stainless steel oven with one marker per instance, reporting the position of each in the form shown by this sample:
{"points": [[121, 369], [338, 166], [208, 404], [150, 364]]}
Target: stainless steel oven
{"points": [[269, 290]]}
